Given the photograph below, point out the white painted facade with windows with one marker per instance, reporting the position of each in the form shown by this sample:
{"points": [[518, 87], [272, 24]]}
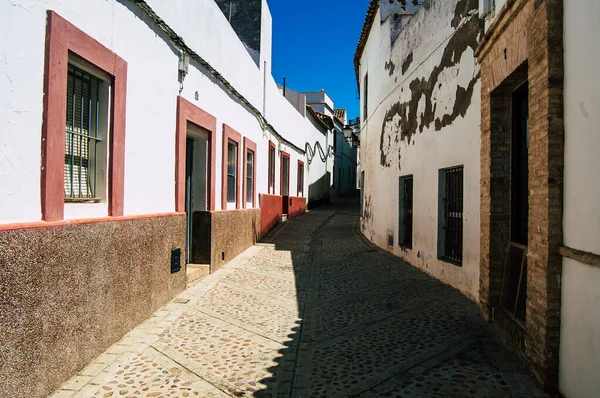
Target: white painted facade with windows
{"points": [[108, 265], [422, 116], [152, 89]]}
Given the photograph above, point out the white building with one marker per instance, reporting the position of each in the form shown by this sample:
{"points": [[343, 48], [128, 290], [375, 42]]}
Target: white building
{"points": [[130, 142], [419, 138], [580, 297]]}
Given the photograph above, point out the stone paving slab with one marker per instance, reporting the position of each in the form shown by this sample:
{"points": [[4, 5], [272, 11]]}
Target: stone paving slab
{"points": [[314, 310]]}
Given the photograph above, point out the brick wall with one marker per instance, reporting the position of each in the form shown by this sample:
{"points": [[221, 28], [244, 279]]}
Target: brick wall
{"points": [[525, 42]]}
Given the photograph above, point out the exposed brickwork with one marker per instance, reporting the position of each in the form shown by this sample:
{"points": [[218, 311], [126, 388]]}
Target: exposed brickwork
{"points": [[525, 42]]}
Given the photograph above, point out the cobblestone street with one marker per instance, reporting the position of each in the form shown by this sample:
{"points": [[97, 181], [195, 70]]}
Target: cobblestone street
{"points": [[314, 310]]}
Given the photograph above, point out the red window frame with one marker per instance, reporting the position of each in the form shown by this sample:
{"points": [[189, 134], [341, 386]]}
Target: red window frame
{"points": [[190, 113], [230, 134], [63, 38], [249, 145]]}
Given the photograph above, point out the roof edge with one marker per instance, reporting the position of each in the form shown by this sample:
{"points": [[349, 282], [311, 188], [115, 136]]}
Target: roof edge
{"points": [[364, 35]]}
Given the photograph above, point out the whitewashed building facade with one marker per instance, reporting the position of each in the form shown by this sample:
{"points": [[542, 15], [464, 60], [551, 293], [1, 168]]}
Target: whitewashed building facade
{"points": [[419, 137], [130, 142]]}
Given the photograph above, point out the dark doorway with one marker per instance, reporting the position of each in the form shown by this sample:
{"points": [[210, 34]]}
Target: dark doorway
{"points": [[189, 162], [515, 290]]}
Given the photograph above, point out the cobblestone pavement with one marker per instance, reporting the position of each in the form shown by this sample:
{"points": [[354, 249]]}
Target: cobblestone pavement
{"points": [[313, 311]]}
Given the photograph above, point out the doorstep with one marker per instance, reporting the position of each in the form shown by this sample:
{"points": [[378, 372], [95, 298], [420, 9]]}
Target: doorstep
{"points": [[195, 272]]}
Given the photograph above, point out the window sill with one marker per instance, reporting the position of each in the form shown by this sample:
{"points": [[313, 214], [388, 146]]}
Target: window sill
{"points": [[450, 261], [83, 200]]}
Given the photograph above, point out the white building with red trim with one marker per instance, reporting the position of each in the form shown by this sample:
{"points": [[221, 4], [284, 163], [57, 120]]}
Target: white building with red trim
{"points": [[135, 135]]}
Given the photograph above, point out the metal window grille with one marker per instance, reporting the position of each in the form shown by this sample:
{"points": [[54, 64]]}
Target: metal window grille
{"points": [[300, 179], [406, 211], [249, 175], [271, 169], [82, 137], [285, 176], [453, 215], [366, 98], [362, 193], [231, 171]]}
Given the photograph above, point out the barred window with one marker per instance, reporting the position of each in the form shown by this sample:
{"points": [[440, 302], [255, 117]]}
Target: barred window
{"points": [[82, 136], [366, 98], [450, 231], [405, 221], [249, 175], [232, 151]]}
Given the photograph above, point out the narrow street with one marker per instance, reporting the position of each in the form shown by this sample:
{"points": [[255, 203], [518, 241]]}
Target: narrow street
{"points": [[314, 310]]}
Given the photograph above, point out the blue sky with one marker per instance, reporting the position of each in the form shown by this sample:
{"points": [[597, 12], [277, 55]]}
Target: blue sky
{"points": [[313, 46]]}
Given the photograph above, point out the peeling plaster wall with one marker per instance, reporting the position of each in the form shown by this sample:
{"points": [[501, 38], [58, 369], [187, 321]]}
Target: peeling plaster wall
{"points": [[580, 325], [423, 115]]}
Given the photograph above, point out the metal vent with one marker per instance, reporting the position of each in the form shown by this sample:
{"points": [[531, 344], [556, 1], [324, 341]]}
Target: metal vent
{"points": [[175, 260]]}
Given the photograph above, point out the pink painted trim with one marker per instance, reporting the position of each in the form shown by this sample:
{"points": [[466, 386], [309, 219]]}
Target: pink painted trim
{"points": [[188, 112], [50, 224], [230, 134], [61, 38], [249, 145], [233, 210]]}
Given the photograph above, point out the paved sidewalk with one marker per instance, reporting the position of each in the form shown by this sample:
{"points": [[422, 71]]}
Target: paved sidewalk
{"points": [[313, 311]]}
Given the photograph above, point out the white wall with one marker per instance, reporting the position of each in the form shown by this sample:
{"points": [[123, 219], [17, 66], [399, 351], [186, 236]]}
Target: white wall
{"points": [[387, 155], [152, 89], [580, 324]]}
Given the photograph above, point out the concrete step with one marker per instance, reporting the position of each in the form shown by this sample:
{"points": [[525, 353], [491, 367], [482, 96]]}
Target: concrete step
{"points": [[284, 217], [195, 272]]}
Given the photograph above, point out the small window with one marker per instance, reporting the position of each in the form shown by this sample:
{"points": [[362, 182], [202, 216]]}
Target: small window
{"points": [[285, 175], [271, 168], [362, 193], [249, 175], [300, 179], [84, 146], [366, 99], [232, 151], [405, 194], [450, 230]]}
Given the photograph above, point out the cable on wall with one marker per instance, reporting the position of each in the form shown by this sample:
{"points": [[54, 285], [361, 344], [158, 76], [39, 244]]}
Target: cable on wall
{"points": [[180, 43]]}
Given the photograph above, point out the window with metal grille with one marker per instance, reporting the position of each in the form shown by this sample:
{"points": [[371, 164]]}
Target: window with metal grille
{"points": [[285, 175], [271, 168], [300, 179], [450, 207], [405, 222], [366, 98], [249, 174], [82, 136], [232, 151], [362, 193]]}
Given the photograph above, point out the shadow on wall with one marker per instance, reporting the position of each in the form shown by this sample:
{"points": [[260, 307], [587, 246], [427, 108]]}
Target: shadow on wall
{"points": [[220, 236], [319, 192], [270, 212]]}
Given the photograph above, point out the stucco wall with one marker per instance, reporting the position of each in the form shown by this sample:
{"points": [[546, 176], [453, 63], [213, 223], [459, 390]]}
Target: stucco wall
{"points": [[580, 325], [423, 115], [69, 291]]}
